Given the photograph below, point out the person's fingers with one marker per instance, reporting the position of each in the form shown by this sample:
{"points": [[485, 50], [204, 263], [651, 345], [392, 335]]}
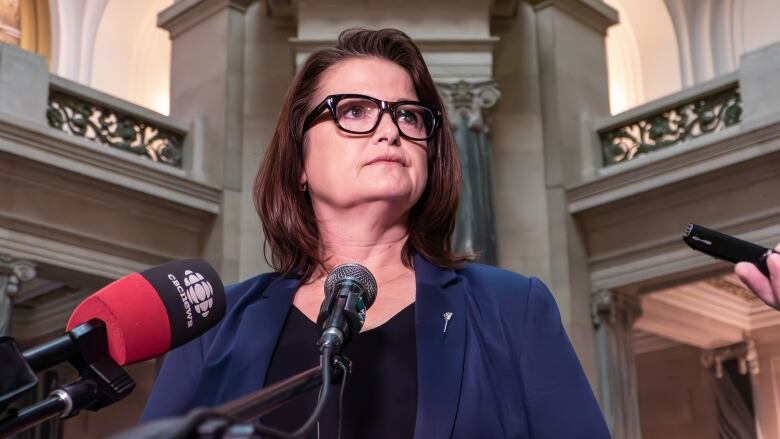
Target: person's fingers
{"points": [[757, 282], [773, 263]]}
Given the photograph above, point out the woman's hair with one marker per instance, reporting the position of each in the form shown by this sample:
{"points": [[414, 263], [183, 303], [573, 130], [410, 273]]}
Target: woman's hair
{"points": [[286, 212]]}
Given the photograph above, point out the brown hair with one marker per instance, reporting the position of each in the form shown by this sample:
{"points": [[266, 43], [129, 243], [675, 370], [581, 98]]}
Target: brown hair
{"points": [[286, 213]]}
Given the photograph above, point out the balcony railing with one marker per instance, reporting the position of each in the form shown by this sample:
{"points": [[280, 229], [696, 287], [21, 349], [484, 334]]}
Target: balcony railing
{"points": [[670, 121], [101, 118]]}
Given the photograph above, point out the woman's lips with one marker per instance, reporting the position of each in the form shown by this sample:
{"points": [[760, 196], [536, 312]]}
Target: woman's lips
{"points": [[387, 160]]}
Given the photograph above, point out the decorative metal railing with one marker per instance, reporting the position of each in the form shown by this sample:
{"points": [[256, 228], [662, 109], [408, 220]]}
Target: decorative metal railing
{"points": [[84, 117], [699, 115]]}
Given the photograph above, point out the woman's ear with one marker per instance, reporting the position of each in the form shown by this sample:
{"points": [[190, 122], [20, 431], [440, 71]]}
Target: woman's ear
{"points": [[303, 184]]}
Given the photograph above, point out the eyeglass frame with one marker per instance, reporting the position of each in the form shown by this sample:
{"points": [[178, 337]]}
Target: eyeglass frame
{"points": [[331, 101]]}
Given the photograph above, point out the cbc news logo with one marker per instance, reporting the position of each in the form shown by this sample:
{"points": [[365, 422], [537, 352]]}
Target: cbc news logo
{"points": [[199, 292], [196, 293]]}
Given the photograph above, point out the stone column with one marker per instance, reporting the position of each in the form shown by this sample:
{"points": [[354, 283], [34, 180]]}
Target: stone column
{"points": [[709, 38], [24, 84], [466, 101], [207, 91], [12, 273], [572, 92], [613, 317]]}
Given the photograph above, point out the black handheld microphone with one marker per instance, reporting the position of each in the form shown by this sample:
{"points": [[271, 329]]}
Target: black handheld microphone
{"points": [[350, 289], [727, 248]]}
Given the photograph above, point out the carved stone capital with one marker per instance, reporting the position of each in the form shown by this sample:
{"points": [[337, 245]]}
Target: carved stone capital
{"points": [[607, 306], [13, 272], [469, 99]]}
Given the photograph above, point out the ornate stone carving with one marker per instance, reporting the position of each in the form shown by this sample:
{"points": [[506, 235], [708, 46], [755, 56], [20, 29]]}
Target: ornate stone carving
{"points": [[469, 99], [608, 307], [12, 273], [671, 126], [475, 228], [744, 352], [736, 290], [98, 123]]}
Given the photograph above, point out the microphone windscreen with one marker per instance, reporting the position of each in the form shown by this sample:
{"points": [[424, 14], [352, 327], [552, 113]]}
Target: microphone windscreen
{"points": [[149, 313]]}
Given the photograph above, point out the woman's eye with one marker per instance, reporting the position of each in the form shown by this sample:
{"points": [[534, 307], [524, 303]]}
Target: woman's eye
{"points": [[353, 112], [408, 117]]}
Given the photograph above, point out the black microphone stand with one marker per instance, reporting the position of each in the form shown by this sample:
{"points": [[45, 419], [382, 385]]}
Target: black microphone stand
{"points": [[234, 419], [102, 381]]}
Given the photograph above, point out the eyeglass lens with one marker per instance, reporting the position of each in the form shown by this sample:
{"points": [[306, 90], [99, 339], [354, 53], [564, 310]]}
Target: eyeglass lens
{"points": [[359, 115]]}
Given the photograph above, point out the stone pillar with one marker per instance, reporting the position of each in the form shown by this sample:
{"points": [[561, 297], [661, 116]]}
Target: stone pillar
{"points": [[573, 91], [24, 84], [613, 317], [709, 37], [207, 91], [12, 273], [466, 101]]}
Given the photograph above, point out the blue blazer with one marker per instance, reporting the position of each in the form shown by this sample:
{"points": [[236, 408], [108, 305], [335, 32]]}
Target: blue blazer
{"points": [[504, 369]]}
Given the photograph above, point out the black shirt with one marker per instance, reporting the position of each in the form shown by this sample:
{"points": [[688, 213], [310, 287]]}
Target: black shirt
{"points": [[380, 400]]}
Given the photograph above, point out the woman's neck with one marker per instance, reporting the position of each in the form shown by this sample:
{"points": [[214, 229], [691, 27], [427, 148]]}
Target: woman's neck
{"points": [[370, 240]]}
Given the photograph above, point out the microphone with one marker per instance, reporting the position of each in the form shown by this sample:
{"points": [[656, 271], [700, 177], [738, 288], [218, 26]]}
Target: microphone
{"points": [[152, 312], [146, 314], [137, 317], [350, 290]]}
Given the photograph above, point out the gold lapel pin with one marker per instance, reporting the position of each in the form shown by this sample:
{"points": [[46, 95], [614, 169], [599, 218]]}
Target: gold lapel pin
{"points": [[447, 316]]}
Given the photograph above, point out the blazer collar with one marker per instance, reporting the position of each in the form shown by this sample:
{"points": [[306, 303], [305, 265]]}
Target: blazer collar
{"points": [[245, 354], [440, 355]]}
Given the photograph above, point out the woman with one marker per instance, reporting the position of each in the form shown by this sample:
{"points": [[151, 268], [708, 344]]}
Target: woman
{"points": [[362, 167]]}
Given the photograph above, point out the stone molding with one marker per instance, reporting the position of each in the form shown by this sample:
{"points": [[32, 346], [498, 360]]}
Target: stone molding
{"points": [[699, 156], [102, 263], [593, 13], [448, 60], [185, 14], [81, 156]]}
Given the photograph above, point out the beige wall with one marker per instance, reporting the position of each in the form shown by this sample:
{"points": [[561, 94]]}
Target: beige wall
{"points": [[676, 395], [766, 385]]}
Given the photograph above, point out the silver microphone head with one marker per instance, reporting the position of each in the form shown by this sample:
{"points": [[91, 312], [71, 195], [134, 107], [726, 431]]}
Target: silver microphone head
{"points": [[356, 273]]}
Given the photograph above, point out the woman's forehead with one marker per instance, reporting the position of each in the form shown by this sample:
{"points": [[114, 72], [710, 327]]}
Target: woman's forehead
{"points": [[374, 77]]}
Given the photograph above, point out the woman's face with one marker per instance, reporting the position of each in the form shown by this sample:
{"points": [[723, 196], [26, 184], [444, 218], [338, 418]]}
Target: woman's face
{"points": [[346, 170]]}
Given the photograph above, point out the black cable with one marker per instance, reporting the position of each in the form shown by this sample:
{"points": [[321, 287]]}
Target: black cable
{"points": [[326, 358], [341, 394]]}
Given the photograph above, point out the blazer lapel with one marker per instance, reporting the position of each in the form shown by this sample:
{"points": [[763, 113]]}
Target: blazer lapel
{"points": [[440, 355], [246, 356]]}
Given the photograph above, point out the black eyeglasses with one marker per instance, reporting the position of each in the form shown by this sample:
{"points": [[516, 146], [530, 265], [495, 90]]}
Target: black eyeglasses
{"points": [[360, 114]]}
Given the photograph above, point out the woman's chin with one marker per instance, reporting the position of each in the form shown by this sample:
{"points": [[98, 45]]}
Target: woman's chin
{"points": [[390, 193]]}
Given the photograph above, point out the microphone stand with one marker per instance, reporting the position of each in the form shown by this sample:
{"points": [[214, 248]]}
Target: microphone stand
{"points": [[230, 419], [102, 381], [234, 419]]}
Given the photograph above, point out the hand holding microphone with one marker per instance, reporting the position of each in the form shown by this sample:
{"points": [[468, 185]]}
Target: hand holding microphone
{"points": [[758, 267], [766, 287]]}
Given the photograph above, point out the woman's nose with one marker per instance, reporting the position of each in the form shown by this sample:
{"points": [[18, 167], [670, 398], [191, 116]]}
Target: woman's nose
{"points": [[387, 130]]}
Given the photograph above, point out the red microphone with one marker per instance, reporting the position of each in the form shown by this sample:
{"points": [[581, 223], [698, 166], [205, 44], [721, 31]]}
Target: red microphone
{"points": [[145, 314], [149, 313]]}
